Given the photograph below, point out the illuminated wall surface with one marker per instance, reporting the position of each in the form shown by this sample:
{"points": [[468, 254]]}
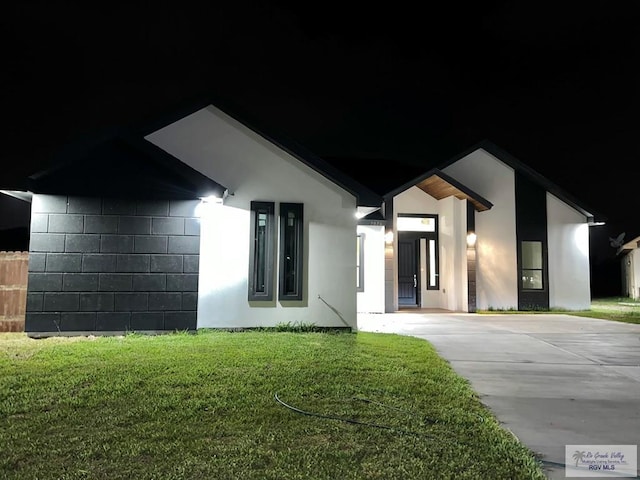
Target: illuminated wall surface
{"points": [[112, 265]]}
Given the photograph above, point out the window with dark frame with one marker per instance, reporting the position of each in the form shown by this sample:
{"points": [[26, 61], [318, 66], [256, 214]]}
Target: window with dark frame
{"points": [[262, 248], [532, 261], [291, 251], [360, 263]]}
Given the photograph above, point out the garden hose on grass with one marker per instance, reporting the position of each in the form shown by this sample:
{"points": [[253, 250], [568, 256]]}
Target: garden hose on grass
{"points": [[547, 463], [352, 421]]}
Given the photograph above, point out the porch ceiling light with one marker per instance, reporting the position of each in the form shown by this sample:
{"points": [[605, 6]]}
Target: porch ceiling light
{"points": [[471, 239]]}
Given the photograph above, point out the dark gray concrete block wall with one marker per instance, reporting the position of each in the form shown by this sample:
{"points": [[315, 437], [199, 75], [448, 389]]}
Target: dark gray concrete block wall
{"points": [[112, 265]]}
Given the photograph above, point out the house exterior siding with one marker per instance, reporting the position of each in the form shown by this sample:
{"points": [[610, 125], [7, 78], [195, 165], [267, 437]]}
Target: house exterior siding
{"points": [[499, 230], [568, 239], [112, 265], [254, 169], [371, 300], [630, 268], [496, 245]]}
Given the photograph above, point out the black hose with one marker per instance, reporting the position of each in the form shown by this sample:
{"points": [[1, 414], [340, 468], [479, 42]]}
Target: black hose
{"points": [[387, 427], [349, 420]]}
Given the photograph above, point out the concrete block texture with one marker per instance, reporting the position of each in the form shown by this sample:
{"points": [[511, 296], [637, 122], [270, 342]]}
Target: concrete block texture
{"points": [[44, 282], [46, 242], [115, 282], [41, 203], [118, 206], [165, 263], [37, 262], [89, 205], [152, 208], [165, 301], [180, 321], [184, 245], [189, 301], [61, 302], [42, 322], [66, 223], [100, 224], [134, 225], [97, 302], [77, 321], [64, 262], [141, 321], [80, 282], [106, 264], [132, 263], [150, 282], [99, 262], [191, 263], [192, 226], [82, 243], [131, 302], [183, 208], [182, 282], [167, 226], [116, 243], [113, 321], [150, 244], [39, 222], [35, 302]]}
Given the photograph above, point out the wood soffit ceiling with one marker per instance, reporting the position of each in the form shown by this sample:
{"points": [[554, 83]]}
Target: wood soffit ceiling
{"points": [[439, 188]]}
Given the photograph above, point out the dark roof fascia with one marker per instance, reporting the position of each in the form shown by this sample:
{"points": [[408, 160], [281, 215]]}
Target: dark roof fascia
{"points": [[521, 167], [176, 165], [364, 195], [446, 178], [150, 151]]}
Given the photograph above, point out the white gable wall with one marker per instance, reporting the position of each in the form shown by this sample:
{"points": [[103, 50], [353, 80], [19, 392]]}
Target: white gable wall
{"points": [[568, 250], [255, 169], [496, 246]]}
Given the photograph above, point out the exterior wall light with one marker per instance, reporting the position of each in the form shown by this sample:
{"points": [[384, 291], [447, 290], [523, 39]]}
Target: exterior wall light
{"points": [[471, 239], [388, 237]]}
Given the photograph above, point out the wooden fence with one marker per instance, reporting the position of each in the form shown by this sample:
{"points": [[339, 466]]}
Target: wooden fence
{"points": [[14, 267]]}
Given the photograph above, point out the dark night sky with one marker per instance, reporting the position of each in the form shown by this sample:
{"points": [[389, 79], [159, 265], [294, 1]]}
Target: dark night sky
{"points": [[555, 84]]}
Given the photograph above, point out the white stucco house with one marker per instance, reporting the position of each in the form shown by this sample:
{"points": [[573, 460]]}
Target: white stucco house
{"points": [[483, 231], [203, 220], [629, 255]]}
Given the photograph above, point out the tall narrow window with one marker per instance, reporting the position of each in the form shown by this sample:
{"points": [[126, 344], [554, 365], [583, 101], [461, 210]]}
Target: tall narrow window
{"points": [[291, 251], [433, 283], [261, 256], [360, 263], [532, 266]]}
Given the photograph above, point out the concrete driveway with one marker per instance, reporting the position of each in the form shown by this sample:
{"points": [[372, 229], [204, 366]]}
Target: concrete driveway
{"points": [[552, 380]]}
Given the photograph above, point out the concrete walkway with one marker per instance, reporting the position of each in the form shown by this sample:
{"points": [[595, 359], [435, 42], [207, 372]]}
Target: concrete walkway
{"points": [[552, 380]]}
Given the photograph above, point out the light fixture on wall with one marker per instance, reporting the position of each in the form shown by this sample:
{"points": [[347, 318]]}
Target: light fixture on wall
{"points": [[471, 239], [388, 237]]}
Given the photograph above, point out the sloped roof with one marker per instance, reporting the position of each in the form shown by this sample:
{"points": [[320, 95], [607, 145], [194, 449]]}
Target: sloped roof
{"points": [[628, 246], [440, 185], [122, 165], [364, 195], [536, 177]]}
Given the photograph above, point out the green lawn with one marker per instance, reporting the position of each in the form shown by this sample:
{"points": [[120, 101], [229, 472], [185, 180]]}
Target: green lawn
{"points": [[620, 309], [203, 406]]}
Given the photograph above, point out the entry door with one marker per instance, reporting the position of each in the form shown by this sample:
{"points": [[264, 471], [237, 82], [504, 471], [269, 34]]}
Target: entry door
{"points": [[408, 275]]}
